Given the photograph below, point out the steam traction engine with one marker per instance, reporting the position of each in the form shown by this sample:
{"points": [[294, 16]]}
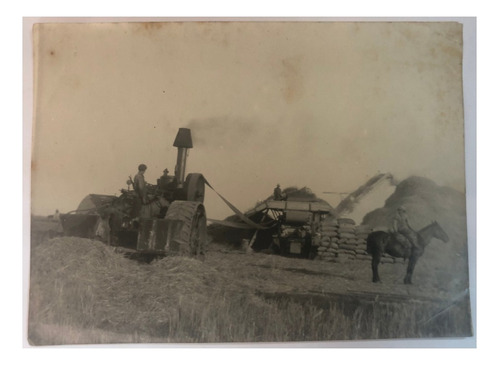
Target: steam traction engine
{"points": [[173, 220]]}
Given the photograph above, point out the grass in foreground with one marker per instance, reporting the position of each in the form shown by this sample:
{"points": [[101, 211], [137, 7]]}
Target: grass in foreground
{"points": [[83, 293]]}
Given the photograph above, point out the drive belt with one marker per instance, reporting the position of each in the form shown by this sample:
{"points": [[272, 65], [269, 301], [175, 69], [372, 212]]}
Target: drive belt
{"points": [[241, 215]]}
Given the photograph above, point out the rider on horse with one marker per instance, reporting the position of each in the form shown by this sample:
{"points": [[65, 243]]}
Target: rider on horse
{"points": [[403, 231]]}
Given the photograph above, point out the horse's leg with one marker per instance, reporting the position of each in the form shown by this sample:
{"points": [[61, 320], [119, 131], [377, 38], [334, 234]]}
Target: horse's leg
{"points": [[409, 270], [375, 262]]}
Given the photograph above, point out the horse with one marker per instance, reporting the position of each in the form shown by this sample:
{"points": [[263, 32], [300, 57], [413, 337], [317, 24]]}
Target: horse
{"points": [[380, 242]]}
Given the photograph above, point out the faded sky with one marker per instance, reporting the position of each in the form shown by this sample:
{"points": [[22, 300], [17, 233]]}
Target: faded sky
{"points": [[324, 105]]}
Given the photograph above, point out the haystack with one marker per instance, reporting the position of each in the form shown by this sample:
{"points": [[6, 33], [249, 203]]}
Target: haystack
{"points": [[425, 202]]}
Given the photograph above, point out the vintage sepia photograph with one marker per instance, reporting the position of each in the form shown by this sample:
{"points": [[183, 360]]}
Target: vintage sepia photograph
{"points": [[252, 181]]}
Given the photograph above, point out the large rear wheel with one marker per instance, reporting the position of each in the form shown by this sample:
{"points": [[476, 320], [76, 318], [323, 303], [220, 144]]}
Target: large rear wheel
{"points": [[191, 239]]}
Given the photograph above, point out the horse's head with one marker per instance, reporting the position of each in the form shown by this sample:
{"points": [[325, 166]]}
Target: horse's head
{"points": [[439, 232]]}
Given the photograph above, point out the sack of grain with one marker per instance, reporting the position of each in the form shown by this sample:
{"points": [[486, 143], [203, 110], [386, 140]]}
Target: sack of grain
{"points": [[342, 241], [329, 222], [346, 235], [360, 239], [347, 221], [346, 251], [360, 247], [329, 232], [321, 249], [334, 246], [343, 246], [346, 229], [361, 252], [325, 244], [324, 225]]}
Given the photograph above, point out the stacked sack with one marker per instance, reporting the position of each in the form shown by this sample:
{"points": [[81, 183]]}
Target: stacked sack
{"points": [[341, 239], [327, 239], [361, 232], [347, 239]]}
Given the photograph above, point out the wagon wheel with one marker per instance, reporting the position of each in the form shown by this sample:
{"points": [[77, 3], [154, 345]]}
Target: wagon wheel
{"points": [[195, 186], [193, 236]]}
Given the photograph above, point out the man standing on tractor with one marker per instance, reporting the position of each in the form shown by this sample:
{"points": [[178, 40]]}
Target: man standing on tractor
{"points": [[166, 189], [140, 189], [402, 226], [140, 183], [166, 182]]}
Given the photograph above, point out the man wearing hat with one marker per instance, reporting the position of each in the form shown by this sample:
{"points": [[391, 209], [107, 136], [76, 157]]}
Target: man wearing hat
{"points": [[277, 193], [140, 189], [402, 226], [167, 185], [140, 183], [166, 182]]}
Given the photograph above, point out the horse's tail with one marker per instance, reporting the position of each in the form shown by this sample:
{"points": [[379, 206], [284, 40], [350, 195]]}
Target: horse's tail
{"points": [[374, 241]]}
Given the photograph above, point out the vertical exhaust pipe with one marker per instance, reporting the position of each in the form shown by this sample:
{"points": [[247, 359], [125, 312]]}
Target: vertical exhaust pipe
{"points": [[183, 142]]}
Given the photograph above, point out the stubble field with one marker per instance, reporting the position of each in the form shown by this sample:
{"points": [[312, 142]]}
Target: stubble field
{"points": [[85, 292]]}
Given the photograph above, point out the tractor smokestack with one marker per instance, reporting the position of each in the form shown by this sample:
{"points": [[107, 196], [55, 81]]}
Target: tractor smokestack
{"points": [[183, 142]]}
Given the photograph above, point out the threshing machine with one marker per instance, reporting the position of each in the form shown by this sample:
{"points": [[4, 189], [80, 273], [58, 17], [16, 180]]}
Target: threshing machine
{"points": [[297, 224]]}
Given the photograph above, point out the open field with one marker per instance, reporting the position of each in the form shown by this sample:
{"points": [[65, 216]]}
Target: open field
{"points": [[84, 292]]}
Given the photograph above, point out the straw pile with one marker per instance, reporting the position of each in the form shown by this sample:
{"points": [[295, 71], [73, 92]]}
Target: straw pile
{"points": [[425, 201], [76, 281]]}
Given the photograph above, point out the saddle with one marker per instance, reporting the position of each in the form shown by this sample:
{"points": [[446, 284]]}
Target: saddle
{"points": [[401, 238], [404, 242]]}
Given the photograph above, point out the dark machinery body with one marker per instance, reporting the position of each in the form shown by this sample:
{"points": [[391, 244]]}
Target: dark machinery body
{"points": [[173, 220], [296, 225]]}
